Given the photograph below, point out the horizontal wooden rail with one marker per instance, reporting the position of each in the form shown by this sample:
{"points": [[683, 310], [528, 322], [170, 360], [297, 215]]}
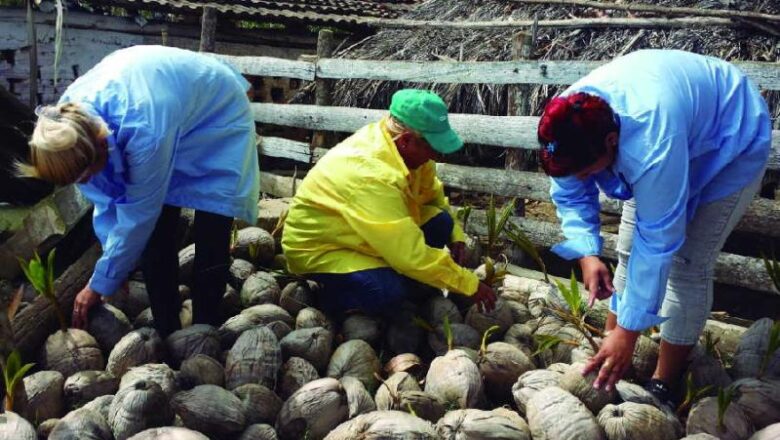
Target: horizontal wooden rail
{"points": [[499, 131], [735, 270], [765, 75], [762, 216]]}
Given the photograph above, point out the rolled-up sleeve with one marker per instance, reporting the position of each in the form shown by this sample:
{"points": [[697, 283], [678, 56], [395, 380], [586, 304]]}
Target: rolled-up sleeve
{"points": [[149, 168], [577, 205], [661, 195], [378, 214]]}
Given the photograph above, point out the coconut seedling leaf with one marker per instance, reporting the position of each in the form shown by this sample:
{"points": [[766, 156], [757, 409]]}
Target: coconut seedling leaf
{"points": [[546, 342], [485, 336], [772, 347], [572, 296], [772, 269], [233, 237], [447, 332], [463, 215], [711, 345], [519, 239], [423, 324], [13, 372], [277, 232], [692, 394], [41, 276], [725, 397]]}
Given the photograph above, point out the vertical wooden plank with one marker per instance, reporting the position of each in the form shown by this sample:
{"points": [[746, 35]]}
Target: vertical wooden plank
{"points": [[32, 39], [164, 35], [208, 29], [519, 104], [322, 96]]}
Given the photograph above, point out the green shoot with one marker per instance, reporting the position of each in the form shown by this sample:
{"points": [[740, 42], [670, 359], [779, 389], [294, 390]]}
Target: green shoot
{"points": [[519, 239], [572, 296], [234, 236], [13, 372], [711, 345], [463, 215], [692, 394], [41, 276], [496, 223], [448, 332], [725, 396], [279, 228], [423, 324], [410, 409], [485, 337], [254, 250], [494, 273], [772, 269], [772, 347], [546, 342], [577, 311]]}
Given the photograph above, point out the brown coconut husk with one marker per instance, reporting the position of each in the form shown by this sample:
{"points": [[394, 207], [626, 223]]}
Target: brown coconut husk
{"points": [[254, 358], [359, 326], [138, 347], [314, 344], [187, 342], [261, 405], [501, 364], [81, 424], [71, 351], [45, 399], [751, 350], [239, 271], [703, 417], [759, 399], [201, 369], [211, 410], [477, 424], [388, 425], [86, 385], [388, 394], [101, 405], [138, 407], [555, 414], [260, 288], [296, 296], [161, 374], [295, 373], [636, 421], [314, 410], [531, 382], [13, 426], [108, 325], [582, 387], [259, 432], [455, 379], [357, 359], [359, 401], [261, 242], [169, 433]]}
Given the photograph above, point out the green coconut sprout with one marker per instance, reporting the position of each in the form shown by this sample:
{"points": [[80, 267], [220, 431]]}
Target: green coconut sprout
{"points": [[13, 372], [41, 275]]}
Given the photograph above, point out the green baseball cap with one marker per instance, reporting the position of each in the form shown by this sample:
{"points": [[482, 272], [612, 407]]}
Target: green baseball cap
{"points": [[426, 112]]}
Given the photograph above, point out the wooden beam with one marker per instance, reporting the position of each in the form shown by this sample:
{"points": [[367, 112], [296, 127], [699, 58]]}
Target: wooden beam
{"points": [[519, 98], [268, 66], [288, 149], [730, 269], [639, 7], [208, 30], [32, 40], [499, 131], [322, 97]]}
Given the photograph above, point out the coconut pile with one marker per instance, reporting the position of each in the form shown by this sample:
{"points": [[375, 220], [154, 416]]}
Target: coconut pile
{"points": [[278, 368]]}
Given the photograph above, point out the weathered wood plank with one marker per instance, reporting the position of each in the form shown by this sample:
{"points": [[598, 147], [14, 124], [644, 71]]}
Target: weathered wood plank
{"points": [[268, 66], [499, 131], [289, 149]]}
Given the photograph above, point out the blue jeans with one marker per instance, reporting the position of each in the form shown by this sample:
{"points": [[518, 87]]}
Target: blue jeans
{"points": [[377, 291]]}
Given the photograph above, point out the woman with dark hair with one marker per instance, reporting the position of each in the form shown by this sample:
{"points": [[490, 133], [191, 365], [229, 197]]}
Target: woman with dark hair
{"points": [[684, 139]]}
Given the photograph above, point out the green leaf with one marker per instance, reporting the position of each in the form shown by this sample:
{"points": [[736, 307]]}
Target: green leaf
{"points": [[506, 212], [725, 396], [423, 324], [21, 372], [772, 347], [50, 272], [546, 342], [448, 332], [486, 335], [519, 239]]}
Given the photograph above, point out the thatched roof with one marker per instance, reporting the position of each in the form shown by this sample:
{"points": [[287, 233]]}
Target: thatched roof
{"points": [[554, 44]]}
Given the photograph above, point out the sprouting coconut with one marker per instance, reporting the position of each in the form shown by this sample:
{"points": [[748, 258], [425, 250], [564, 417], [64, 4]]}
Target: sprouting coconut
{"points": [[254, 244], [521, 336], [359, 326], [15, 427], [260, 288], [401, 335], [131, 301], [520, 312], [755, 355], [631, 392], [389, 425], [296, 372], [314, 410], [717, 416], [405, 362], [474, 424], [82, 424], [771, 432], [438, 307], [359, 401], [645, 358], [44, 395], [311, 317], [268, 313], [296, 296], [141, 406], [86, 385], [481, 320], [313, 344], [259, 432], [555, 328], [357, 359], [387, 395], [201, 370], [635, 421], [161, 374], [706, 370], [759, 399], [239, 272], [197, 339], [71, 351], [209, 409], [501, 364], [261, 405], [555, 414], [462, 336], [454, 378], [531, 382], [138, 347], [254, 358], [582, 387], [101, 405], [108, 325], [169, 433]]}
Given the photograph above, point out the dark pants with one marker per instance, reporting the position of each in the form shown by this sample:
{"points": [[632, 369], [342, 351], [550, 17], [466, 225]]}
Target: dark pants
{"points": [[160, 265], [377, 291]]}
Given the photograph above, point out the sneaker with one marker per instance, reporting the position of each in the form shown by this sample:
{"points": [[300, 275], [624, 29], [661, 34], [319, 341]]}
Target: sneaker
{"points": [[661, 391]]}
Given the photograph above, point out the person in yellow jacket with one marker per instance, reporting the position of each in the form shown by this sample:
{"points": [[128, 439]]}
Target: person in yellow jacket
{"points": [[371, 219]]}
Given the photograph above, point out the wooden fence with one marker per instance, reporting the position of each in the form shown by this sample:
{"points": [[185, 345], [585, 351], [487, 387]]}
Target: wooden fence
{"points": [[512, 132]]}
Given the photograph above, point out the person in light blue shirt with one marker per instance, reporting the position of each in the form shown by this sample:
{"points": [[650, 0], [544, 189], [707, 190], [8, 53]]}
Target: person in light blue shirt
{"points": [[684, 139], [147, 131]]}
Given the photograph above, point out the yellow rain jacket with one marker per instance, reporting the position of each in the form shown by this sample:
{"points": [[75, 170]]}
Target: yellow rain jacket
{"points": [[361, 208]]}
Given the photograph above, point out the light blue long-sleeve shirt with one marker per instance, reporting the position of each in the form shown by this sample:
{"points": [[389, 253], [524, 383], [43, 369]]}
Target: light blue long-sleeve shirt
{"points": [[693, 129], [182, 134]]}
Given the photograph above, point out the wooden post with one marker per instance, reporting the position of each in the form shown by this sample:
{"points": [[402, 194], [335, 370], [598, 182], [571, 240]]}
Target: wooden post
{"points": [[519, 104], [208, 29], [164, 35], [32, 39], [322, 95]]}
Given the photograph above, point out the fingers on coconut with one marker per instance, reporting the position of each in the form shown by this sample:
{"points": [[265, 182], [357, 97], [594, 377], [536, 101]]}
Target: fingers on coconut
{"points": [[604, 372], [614, 377], [593, 364]]}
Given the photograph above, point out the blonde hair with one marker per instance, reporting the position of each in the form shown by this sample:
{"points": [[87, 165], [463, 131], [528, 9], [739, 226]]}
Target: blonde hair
{"points": [[64, 144], [396, 127]]}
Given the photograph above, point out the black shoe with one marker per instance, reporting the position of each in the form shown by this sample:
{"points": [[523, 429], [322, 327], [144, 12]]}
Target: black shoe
{"points": [[661, 391]]}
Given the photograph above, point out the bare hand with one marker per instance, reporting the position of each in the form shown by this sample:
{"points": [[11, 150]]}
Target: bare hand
{"points": [[613, 359], [458, 252], [485, 298], [84, 301], [596, 278]]}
